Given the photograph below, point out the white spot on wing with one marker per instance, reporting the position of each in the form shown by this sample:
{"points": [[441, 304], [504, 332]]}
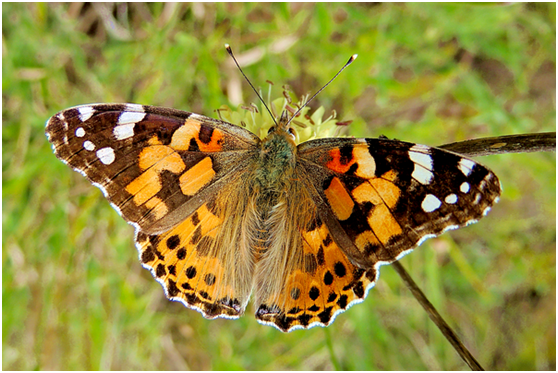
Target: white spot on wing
{"points": [[477, 198], [450, 228], [472, 221], [420, 148], [430, 203], [80, 132], [423, 164], [80, 171], [422, 159], [120, 212], [465, 187], [451, 198], [106, 155], [422, 175], [130, 117], [421, 241], [134, 107], [88, 145], [85, 112], [105, 193], [197, 116], [466, 166], [63, 120], [124, 131]]}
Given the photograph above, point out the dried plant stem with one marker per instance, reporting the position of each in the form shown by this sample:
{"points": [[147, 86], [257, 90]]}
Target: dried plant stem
{"points": [[532, 142], [437, 319]]}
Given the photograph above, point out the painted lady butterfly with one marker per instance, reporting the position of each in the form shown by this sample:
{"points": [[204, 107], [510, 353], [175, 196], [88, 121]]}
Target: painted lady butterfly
{"points": [[221, 214]]}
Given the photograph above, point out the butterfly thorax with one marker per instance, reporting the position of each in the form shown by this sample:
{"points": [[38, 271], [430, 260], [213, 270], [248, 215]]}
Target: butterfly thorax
{"points": [[277, 159]]}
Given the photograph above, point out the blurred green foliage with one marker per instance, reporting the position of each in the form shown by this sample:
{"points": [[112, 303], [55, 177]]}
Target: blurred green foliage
{"points": [[74, 294]]}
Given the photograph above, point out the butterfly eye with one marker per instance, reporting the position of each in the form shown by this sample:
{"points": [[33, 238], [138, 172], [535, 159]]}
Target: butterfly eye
{"points": [[292, 132], [271, 130]]}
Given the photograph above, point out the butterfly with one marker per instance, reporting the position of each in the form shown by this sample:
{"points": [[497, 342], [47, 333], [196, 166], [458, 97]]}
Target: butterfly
{"points": [[222, 216]]}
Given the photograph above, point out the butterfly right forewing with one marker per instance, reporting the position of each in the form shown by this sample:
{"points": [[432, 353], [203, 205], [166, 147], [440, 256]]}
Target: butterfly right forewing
{"points": [[148, 161]]}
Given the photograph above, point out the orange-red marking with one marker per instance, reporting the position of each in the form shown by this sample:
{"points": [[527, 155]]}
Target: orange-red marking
{"points": [[360, 155], [190, 130]]}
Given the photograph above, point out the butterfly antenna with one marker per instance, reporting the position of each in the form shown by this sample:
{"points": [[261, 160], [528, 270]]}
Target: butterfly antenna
{"points": [[229, 50], [350, 61]]}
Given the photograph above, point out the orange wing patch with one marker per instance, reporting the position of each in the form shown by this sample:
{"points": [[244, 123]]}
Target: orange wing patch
{"points": [[207, 138], [383, 194], [152, 161], [339, 199], [197, 177], [157, 207]]}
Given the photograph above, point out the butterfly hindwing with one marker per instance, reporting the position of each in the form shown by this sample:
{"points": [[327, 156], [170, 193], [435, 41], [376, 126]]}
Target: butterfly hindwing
{"points": [[319, 283], [190, 269]]}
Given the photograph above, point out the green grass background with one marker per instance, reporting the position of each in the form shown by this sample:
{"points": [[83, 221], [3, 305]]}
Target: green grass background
{"points": [[74, 296]]}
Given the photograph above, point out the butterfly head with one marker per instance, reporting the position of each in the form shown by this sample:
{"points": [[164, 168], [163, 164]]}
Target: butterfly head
{"points": [[283, 129]]}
